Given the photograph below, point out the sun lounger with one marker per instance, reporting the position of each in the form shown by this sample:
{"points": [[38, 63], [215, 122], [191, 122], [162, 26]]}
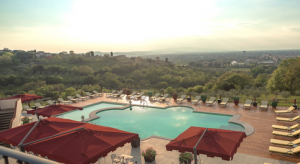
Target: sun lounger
{"points": [[139, 96], [286, 134], [97, 93], [196, 100], [285, 143], [38, 105], [50, 102], [90, 95], [111, 94], [264, 105], [211, 101], [63, 101], [72, 99], [131, 95], [80, 98], [224, 102], [27, 108], [287, 119], [296, 126], [164, 98], [274, 149], [118, 94], [247, 104], [154, 98], [289, 110], [181, 99]]}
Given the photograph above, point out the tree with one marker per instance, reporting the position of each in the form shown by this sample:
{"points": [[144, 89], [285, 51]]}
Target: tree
{"points": [[5, 60], [232, 80], [162, 85], [90, 79], [199, 89], [57, 58], [22, 55], [266, 92], [275, 92], [257, 70], [137, 75], [54, 79], [169, 90], [85, 70], [285, 94]]}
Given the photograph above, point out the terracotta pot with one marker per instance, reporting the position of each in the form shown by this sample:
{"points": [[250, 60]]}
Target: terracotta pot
{"points": [[148, 159], [236, 102], [175, 97]]}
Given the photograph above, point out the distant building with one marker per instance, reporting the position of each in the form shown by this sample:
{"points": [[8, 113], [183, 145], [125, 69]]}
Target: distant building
{"points": [[41, 54], [71, 52], [234, 63], [157, 58]]}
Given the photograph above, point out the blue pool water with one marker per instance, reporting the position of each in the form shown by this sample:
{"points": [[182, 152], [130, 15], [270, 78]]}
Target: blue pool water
{"points": [[76, 114], [147, 121]]}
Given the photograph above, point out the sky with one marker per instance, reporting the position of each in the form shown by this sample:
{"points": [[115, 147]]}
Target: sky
{"points": [[134, 25]]}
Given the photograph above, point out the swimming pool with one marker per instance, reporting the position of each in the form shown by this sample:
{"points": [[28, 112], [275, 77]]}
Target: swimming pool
{"points": [[76, 114], [147, 121]]}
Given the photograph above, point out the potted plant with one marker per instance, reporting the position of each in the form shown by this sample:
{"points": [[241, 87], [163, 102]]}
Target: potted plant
{"points": [[128, 92], [25, 120], [274, 102], [236, 100], [203, 98], [175, 95], [149, 154], [150, 93], [186, 158]]}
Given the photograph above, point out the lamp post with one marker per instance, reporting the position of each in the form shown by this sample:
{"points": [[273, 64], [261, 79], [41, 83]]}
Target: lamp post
{"points": [[254, 102], [295, 104], [219, 100]]}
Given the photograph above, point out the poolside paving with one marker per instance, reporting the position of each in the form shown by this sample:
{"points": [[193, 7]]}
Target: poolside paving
{"points": [[256, 144], [253, 150]]}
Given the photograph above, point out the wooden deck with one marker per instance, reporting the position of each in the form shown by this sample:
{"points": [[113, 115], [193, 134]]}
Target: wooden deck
{"points": [[256, 144]]}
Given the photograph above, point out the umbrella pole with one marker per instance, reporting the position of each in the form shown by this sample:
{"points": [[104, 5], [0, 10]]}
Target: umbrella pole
{"points": [[195, 147], [21, 143]]}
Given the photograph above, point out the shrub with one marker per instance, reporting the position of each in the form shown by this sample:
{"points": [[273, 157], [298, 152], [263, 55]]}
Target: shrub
{"points": [[149, 152], [185, 157]]}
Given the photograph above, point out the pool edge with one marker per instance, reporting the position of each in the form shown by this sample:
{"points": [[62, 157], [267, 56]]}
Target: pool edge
{"points": [[249, 130]]}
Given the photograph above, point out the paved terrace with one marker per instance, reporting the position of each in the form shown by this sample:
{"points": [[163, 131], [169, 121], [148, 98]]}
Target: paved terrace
{"points": [[253, 150]]}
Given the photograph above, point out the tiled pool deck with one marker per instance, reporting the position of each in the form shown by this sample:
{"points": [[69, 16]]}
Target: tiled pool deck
{"points": [[253, 150]]}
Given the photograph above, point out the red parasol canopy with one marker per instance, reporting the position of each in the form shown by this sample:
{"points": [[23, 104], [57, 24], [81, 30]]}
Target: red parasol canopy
{"points": [[25, 97], [83, 146], [45, 128], [215, 142], [54, 110]]}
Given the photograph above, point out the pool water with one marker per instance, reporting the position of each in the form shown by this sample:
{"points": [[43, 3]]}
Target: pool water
{"points": [[169, 122], [76, 114]]}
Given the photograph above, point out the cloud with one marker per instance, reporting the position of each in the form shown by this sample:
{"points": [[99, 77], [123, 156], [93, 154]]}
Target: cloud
{"points": [[291, 28]]}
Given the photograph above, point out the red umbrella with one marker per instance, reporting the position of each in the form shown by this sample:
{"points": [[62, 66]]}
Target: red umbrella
{"points": [[25, 97], [45, 128], [54, 110], [215, 142], [82, 146]]}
